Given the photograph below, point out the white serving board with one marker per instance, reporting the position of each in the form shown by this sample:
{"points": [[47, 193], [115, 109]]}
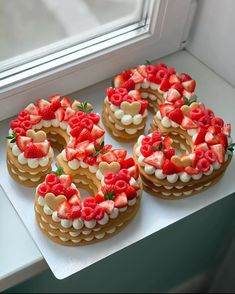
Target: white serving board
{"points": [[154, 214]]}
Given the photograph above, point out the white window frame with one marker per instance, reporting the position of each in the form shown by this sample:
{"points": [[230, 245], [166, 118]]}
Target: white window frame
{"points": [[162, 34]]}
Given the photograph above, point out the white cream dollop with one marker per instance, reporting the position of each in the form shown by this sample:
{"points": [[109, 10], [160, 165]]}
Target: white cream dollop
{"points": [[126, 119], [159, 174], [119, 113]]}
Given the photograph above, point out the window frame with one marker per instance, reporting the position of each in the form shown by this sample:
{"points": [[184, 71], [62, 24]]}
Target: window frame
{"points": [[157, 37]]}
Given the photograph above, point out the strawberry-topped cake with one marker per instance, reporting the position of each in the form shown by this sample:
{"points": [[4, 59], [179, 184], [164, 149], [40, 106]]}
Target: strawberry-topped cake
{"points": [[125, 107], [205, 154], [69, 220], [44, 125], [106, 173], [124, 113]]}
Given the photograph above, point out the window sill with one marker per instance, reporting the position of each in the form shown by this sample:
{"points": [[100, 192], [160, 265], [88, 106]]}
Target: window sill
{"points": [[17, 267]]}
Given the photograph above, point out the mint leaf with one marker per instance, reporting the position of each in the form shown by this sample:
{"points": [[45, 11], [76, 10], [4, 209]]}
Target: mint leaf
{"points": [[59, 171], [159, 147], [109, 195], [147, 62]]}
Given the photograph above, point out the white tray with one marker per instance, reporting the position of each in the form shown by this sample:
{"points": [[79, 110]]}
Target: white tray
{"points": [[154, 215]]}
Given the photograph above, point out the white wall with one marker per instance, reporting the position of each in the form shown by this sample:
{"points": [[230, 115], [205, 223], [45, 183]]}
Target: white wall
{"points": [[212, 38]]}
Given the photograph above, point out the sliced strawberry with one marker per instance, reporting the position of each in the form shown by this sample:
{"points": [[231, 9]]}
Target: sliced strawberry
{"points": [[198, 154], [42, 103], [63, 210], [69, 112], [70, 192], [178, 87], [108, 205], [59, 114], [173, 95], [200, 136], [47, 113], [84, 136], [66, 180], [97, 132], [54, 98], [222, 140], [165, 85], [109, 157], [166, 108], [70, 153], [131, 193], [65, 103], [43, 147], [23, 116], [191, 171], [32, 109], [74, 212], [160, 66], [120, 154], [184, 77], [217, 121], [211, 139], [133, 172], [22, 142], [227, 129], [129, 85], [55, 103], [137, 78], [171, 70], [146, 150], [118, 81], [174, 79], [121, 200], [76, 131], [135, 94], [209, 112], [144, 105], [167, 141], [82, 145], [219, 151], [170, 168], [19, 131], [169, 153], [124, 175], [90, 149], [202, 147], [188, 123], [142, 70], [156, 159], [32, 151], [128, 162], [176, 115], [204, 121], [90, 160], [214, 129], [34, 118], [189, 85]]}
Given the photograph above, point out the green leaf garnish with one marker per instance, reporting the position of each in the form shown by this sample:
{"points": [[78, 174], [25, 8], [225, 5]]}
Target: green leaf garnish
{"points": [[59, 171], [190, 101], [112, 83], [147, 62], [159, 147], [230, 148], [84, 107], [109, 195], [98, 150], [12, 137]]}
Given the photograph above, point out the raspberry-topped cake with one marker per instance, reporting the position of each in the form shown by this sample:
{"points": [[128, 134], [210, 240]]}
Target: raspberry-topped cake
{"points": [[150, 85], [68, 220], [124, 113], [106, 173]]}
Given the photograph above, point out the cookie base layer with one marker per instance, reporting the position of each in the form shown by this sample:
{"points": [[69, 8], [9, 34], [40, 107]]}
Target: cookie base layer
{"points": [[100, 233], [165, 190]]}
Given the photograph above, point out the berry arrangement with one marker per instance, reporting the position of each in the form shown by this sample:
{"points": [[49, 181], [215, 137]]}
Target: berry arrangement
{"points": [[176, 85], [158, 152], [117, 190]]}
